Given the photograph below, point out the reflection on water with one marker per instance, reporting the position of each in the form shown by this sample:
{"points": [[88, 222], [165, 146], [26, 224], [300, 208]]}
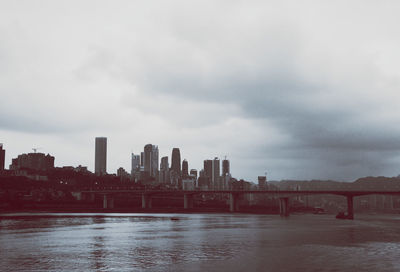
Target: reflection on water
{"points": [[198, 242]]}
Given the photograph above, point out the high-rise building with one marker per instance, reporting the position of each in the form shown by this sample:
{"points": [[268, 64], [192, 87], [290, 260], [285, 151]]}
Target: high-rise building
{"points": [[164, 163], [193, 172], [185, 168], [164, 170], [135, 167], [203, 181], [176, 161], [193, 175], [206, 174], [142, 159], [262, 182], [2, 157], [225, 167], [122, 174], [100, 163], [33, 161], [151, 159], [155, 163], [215, 172], [147, 157], [208, 168]]}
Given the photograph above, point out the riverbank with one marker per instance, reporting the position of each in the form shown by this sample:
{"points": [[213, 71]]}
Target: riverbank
{"points": [[130, 210]]}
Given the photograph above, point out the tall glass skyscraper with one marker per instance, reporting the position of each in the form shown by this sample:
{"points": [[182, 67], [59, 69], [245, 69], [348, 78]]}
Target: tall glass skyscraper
{"points": [[164, 170], [225, 167], [215, 172], [100, 160], [176, 161], [135, 164], [151, 159], [185, 168]]}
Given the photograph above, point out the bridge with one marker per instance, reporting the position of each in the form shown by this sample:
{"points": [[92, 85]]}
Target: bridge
{"points": [[284, 208]]}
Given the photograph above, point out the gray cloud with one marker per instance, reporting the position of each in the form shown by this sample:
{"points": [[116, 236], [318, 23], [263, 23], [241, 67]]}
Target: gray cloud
{"points": [[288, 89]]}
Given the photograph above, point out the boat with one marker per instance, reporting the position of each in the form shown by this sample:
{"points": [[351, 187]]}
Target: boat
{"points": [[319, 210], [342, 215], [174, 219]]}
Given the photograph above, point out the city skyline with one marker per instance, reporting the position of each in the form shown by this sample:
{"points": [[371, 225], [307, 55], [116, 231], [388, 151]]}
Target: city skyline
{"points": [[299, 90], [199, 135]]}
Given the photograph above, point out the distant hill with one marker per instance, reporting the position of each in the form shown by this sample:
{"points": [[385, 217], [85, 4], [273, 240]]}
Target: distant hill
{"points": [[365, 183]]}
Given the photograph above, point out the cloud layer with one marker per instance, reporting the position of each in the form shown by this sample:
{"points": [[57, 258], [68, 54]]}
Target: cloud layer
{"points": [[300, 90]]}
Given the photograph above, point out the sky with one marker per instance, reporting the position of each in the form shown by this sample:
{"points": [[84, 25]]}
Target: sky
{"points": [[297, 89]]}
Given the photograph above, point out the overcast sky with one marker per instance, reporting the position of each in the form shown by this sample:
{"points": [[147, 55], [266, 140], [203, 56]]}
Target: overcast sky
{"points": [[300, 89]]}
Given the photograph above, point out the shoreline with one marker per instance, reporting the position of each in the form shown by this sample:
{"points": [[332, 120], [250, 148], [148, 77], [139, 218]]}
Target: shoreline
{"points": [[119, 210]]}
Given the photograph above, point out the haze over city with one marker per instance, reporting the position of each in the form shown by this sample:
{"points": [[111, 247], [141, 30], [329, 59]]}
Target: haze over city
{"points": [[299, 90]]}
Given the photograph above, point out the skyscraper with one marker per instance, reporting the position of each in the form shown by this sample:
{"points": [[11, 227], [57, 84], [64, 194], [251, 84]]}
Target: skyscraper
{"points": [[147, 157], [154, 162], [164, 170], [185, 168], [225, 167], [215, 172], [208, 168], [151, 159], [193, 172], [207, 174], [176, 161], [135, 164], [2, 157], [100, 163]]}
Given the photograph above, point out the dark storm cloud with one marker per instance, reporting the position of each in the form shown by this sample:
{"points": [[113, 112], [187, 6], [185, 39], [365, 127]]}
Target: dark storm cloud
{"points": [[330, 134], [302, 89]]}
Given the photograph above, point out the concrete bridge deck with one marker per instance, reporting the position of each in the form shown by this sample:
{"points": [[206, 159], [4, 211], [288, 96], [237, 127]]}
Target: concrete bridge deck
{"points": [[283, 195]]}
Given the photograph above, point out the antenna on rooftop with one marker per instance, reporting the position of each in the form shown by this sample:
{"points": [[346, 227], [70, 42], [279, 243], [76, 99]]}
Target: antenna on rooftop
{"points": [[35, 149]]}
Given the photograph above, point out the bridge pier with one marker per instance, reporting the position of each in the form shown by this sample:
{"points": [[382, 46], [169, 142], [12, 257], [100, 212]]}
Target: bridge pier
{"points": [[233, 202], [108, 202], [187, 201], [350, 208], [146, 201], [284, 206], [391, 206]]}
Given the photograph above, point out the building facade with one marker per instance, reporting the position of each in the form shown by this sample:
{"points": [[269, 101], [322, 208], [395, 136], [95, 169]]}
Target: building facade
{"points": [[100, 161], [262, 182], [135, 164], [225, 167], [176, 161], [151, 160], [215, 173], [185, 168], [2, 157], [206, 175], [164, 170], [193, 172], [33, 161]]}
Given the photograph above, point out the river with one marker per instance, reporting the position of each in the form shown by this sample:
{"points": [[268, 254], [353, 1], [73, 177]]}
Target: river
{"points": [[198, 242]]}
